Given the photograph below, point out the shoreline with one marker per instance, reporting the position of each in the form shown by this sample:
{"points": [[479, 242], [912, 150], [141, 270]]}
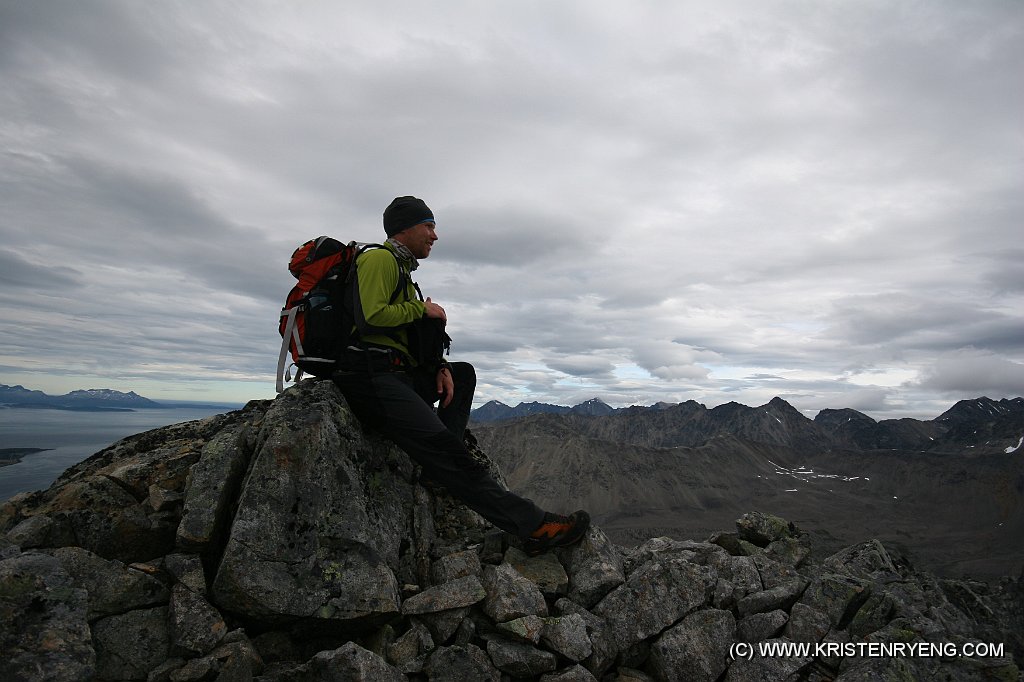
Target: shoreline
{"points": [[10, 456], [70, 408]]}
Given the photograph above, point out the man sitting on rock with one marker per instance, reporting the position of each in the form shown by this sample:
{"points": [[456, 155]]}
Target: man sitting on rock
{"points": [[393, 391]]}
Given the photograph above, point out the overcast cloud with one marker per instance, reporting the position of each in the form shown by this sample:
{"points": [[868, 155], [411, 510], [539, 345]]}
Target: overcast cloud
{"points": [[643, 202]]}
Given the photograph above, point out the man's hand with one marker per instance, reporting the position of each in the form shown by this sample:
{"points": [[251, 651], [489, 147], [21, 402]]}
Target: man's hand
{"points": [[445, 386], [432, 309]]}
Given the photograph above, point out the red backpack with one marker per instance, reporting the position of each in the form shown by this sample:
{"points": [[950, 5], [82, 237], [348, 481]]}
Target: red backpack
{"points": [[316, 321]]}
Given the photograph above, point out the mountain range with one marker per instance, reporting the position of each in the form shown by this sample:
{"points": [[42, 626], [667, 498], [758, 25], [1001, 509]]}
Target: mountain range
{"points": [[968, 425], [928, 486], [495, 410], [88, 399]]}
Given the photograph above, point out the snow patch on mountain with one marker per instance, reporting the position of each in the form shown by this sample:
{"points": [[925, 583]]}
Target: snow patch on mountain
{"points": [[806, 474]]}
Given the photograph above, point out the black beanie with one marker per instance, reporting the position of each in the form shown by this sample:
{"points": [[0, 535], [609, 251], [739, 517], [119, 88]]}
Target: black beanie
{"points": [[403, 213]]}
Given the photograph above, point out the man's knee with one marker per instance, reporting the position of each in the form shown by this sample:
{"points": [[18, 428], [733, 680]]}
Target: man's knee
{"points": [[463, 373]]}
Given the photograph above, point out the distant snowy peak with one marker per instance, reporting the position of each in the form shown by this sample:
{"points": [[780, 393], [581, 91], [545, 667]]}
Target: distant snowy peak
{"points": [[498, 411], [100, 398], [104, 394], [19, 392], [982, 408], [595, 407]]}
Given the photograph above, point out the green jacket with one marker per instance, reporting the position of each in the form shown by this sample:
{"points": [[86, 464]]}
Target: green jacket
{"points": [[379, 321]]}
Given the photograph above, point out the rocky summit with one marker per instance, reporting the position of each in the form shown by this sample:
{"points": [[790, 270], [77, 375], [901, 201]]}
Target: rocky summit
{"points": [[282, 543]]}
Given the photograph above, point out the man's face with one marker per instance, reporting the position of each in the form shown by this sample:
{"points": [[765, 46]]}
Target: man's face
{"points": [[419, 238]]}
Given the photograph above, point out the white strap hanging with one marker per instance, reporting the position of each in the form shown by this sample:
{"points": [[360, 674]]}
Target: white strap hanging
{"points": [[290, 332]]}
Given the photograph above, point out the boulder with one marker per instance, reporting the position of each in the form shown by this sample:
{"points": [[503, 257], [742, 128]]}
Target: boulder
{"points": [[867, 561], [780, 597], [656, 595], [510, 595], [520, 660], [320, 521], [450, 595], [595, 568], [544, 571], [351, 662], [759, 626], [527, 629], [837, 596], [455, 566], [458, 664], [196, 627], [212, 487], [130, 645], [43, 628], [567, 636], [696, 648], [762, 529], [112, 587]]}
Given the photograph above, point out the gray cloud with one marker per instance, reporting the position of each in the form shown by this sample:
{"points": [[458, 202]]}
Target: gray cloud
{"points": [[18, 273], [704, 201], [972, 371]]}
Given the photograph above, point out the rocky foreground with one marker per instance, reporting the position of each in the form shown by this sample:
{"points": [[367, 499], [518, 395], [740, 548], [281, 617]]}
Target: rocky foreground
{"points": [[281, 543]]}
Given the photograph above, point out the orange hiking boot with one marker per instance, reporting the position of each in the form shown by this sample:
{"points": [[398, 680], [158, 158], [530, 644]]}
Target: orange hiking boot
{"points": [[557, 531]]}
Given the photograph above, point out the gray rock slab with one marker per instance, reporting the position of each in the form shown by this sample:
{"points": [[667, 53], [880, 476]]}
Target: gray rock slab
{"points": [[567, 636], [759, 626], [520, 660], [544, 571], [460, 664], [510, 595], [187, 569], [131, 644], [320, 520], [112, 586], [806, 624], [457, 565], [526, 629], [211, 488], [411, 644], [655, 596], [351, 662], [196, 627], [444, 624], [456, 594], [780, 597], [867, 560], [762, 529], [43, 627], [837, 596], [594, 566], [605, 647], [696, 649]]}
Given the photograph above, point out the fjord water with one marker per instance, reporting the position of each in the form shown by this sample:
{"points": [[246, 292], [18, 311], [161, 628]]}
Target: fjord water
{"points": [[70, 437]]}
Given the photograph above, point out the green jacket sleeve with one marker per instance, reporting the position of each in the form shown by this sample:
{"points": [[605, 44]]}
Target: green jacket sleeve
{"points": [[377, 277]]}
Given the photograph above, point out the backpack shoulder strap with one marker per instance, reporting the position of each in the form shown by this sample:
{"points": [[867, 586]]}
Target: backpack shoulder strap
{"points": [[400, 286]]}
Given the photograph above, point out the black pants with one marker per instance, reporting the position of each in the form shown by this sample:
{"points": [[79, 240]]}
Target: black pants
{"points": [[399, 404]]}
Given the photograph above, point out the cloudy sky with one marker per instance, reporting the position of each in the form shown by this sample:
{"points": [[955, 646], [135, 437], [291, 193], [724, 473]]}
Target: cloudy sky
{"points": [[644, 201]]}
